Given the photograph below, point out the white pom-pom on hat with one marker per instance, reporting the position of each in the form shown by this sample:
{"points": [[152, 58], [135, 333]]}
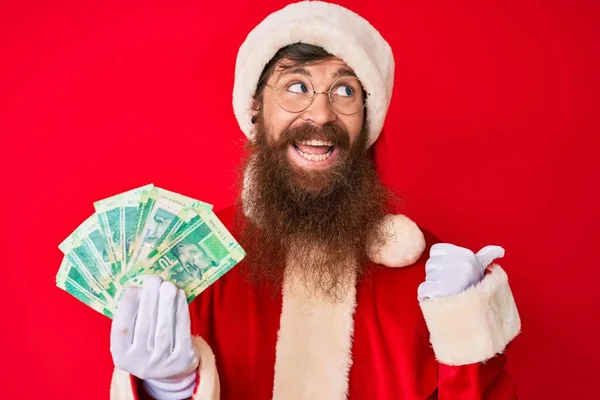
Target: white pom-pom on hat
{"points": [[403, 245]]}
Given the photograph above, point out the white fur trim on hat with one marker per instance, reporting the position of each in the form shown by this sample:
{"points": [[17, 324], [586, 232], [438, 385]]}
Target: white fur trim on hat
{"points": [[403, 244], [474, 325], [340, 32]]}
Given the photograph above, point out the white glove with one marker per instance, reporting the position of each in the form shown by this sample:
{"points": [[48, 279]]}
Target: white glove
{"points": [[150, 338], [452, 269]]}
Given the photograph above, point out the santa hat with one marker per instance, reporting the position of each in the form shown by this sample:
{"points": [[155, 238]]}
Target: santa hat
{"points": [[336, 29]]}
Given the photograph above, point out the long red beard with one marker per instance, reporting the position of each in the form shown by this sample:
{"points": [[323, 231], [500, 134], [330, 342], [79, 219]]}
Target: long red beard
{"points": [[319, 223]]}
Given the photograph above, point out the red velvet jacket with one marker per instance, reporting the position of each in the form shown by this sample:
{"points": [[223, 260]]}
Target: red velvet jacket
{"points": [[378, 343]]}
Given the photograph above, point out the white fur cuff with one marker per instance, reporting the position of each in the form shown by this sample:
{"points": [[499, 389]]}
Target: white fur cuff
{"points": [[209, 388], [474, 325], [121, 386]]}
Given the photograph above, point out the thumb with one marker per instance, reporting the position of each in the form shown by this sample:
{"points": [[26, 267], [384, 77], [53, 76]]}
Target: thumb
{"points": [[489, 254]]}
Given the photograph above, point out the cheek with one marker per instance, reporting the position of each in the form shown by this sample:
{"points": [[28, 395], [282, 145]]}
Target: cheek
{"points": [[353, 125], [276, 119]]}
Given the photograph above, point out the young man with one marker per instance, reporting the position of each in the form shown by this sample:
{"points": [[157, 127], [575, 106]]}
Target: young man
{"points": [[336, 299]]}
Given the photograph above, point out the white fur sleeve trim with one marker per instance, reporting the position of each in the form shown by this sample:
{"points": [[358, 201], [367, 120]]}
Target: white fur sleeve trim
{"points": [[120, 386], [474, 325], [404, 242], [209, 389]]}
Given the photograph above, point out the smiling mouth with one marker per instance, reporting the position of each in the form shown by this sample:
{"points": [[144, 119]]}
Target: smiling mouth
{"points": [[314, 150]]}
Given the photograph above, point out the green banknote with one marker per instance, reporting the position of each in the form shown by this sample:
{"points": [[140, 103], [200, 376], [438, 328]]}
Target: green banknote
{"points": [[117, 217], [194, 259], [140, 219], [178, 225], [149, 199], [141, 232], [70, 280], [162, 209], [85, 248]]}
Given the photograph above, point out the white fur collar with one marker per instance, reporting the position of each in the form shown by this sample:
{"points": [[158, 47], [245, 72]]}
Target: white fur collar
{"points": [[314, 342]]}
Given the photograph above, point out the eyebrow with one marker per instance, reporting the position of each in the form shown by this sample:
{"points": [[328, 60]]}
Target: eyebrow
{"points": [[341, 71], [297, 70]]}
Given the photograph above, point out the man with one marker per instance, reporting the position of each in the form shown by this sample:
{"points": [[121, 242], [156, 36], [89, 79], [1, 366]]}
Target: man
{"points": [[336, 299]]}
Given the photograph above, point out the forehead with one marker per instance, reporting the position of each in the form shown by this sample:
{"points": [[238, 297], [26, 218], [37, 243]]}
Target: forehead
{"points": [[332, 67]]}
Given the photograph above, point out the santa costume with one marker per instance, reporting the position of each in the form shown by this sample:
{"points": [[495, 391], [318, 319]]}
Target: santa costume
{"points": [[379, 341]]}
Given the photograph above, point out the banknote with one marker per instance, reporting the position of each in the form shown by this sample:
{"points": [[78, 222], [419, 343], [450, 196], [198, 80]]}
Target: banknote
{"points": [[140, 218], [162, 208], [70, 280], [145, 231], [181, 220], [109, 218], [117, 217], [86, 249], [196, 257], [148, 200]]}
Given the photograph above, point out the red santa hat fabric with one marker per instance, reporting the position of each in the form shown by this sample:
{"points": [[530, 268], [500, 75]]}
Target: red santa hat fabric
{"points": [[340, 32]]}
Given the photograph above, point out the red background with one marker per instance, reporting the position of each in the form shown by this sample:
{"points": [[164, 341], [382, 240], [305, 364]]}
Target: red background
{"points": [[492, 129]]}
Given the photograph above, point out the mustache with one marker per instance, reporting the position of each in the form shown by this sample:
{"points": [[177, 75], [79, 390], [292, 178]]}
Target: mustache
{"points": [[328, 132]]}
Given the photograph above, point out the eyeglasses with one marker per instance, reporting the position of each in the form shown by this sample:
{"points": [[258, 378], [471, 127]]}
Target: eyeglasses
{"points": [[295, 93]]}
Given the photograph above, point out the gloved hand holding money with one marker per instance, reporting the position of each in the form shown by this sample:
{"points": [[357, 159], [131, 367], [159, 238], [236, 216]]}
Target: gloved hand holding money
{"points": [[148, 231], [150, 338]]}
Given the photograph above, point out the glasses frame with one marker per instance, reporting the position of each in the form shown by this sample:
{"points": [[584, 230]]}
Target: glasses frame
{"points": [[316, 92]]}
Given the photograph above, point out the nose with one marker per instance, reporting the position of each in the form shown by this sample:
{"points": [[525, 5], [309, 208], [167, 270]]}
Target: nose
{"points": [[320, 111]]}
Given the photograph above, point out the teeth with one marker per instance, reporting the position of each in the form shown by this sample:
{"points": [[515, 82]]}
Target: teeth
{"points": [[316, 157], [316, 143]]}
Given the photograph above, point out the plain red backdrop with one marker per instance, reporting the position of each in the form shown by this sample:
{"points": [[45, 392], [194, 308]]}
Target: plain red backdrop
{"points": [[493, 137]]}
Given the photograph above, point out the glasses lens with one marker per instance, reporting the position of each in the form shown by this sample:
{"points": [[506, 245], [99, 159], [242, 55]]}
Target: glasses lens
{"points": [[294, 92], [346, 95]]}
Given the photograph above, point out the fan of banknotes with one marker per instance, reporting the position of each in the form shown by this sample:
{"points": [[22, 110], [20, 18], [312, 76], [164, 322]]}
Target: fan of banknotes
{"points": [[145, 231]]}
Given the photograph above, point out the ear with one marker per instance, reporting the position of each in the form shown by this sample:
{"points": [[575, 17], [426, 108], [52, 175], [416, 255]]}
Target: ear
{"points": [[255, 106]]}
